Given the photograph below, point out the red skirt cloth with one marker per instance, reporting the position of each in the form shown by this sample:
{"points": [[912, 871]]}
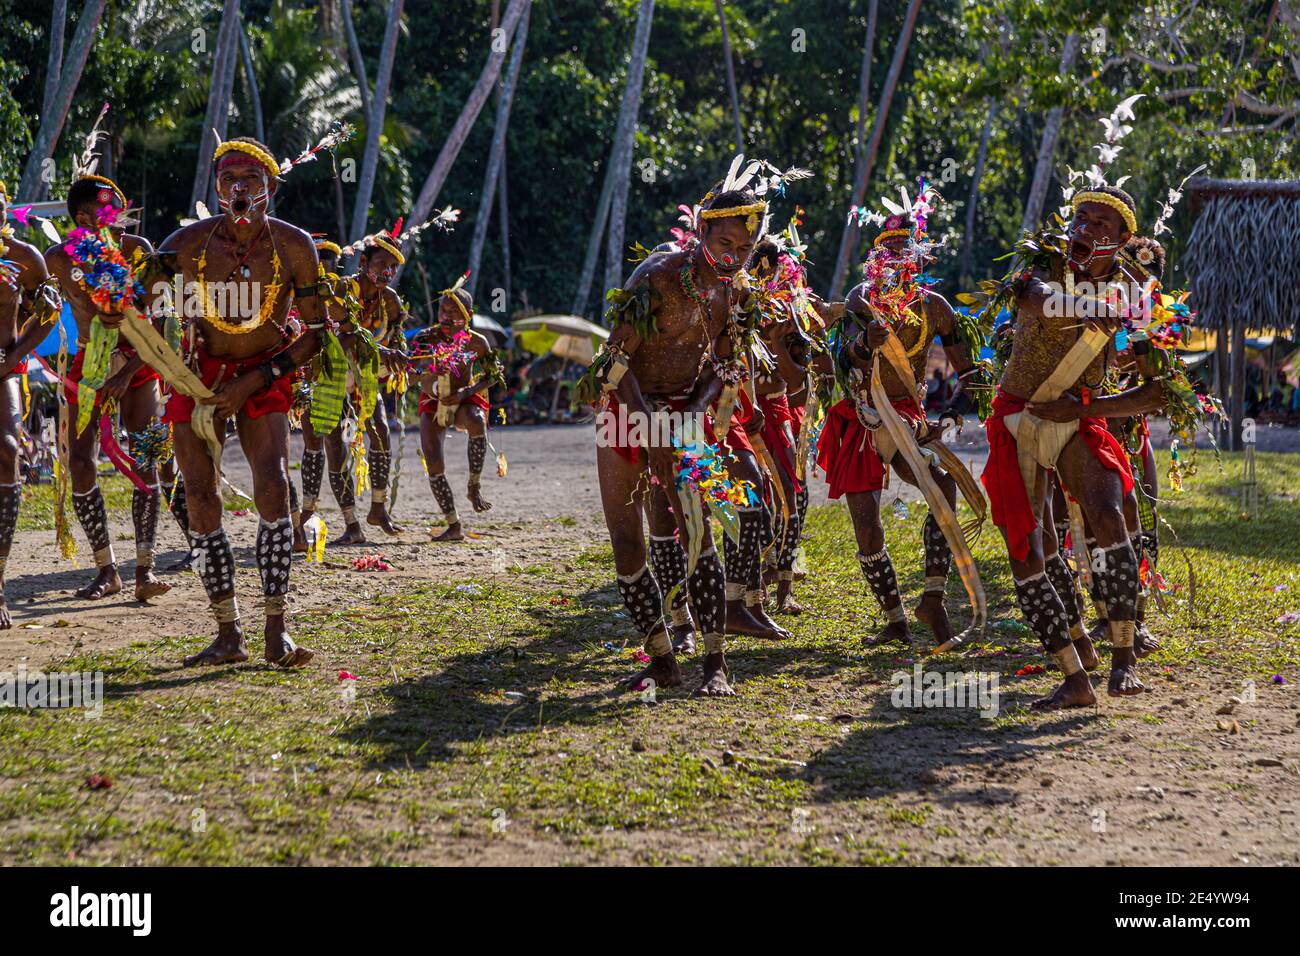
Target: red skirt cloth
{"points": [[778, 438], [213, 370], [796, 419], [143, 375], [848, 463], [1008, 497], [736, 440], [429, 404]]}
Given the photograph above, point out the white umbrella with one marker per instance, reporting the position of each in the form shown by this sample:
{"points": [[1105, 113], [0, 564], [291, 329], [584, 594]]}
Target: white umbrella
{"points": [[490, 328]]}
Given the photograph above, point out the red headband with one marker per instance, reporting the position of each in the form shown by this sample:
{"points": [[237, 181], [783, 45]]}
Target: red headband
{"points": [[240, 158]]}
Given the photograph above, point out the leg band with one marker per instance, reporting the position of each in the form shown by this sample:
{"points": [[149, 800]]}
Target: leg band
{"points": [[938, 555], [707, 593], [344, 492], [178, 505], [313, 469], [93, 517], [1044, 612], [144, 516], [477, 453], [381, 463], [274, 556], [715, 643], [878, 569], [1058, 572], [1117, 582], [441, 489], [668, 559], [1068, 659], [10, 497], [644, 603], [215, 563]]}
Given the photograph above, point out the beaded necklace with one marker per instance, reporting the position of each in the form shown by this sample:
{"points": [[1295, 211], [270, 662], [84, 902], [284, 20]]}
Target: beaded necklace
{"points": [[270, 298]]}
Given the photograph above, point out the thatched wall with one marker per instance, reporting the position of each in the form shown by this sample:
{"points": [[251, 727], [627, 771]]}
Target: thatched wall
{"points": [[1243, 257]]}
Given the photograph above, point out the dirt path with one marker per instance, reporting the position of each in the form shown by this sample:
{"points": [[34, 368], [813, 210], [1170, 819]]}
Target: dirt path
{"points": [[828, 769]]}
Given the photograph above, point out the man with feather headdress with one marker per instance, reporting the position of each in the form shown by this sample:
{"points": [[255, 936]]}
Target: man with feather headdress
{"points": [[29, 305], [243, 268], [682, 327], [128, 385], [855, 450]]}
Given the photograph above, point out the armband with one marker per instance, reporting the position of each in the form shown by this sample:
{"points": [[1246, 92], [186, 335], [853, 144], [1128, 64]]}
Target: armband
{"points": [[614, 372], [307, 291], [948, 339]]}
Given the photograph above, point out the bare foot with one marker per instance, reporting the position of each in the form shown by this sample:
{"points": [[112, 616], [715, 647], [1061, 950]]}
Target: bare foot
{"points": [[1123, 674], [1144, 642], [770, 575], [5, 621], [715, 682], [663, 670], [453, 532], [228, 648], [785, 602], [106, 583], [933, 614], [352, 534], [147, 585], [280, 650], [475, 494], [1075, 691], [379, 516], [300, 537], [751, 620], [1087, 653], [895, 632], [683, 640]]}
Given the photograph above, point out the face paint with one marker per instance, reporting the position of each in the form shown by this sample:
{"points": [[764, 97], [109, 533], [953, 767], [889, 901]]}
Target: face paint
{"points": [[242, 215], [1097, 248], [381, 276], [728, 262]]}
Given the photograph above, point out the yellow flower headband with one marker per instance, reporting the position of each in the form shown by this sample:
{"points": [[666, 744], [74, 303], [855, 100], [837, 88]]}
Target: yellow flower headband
{"points": [[453, 294], [751, 212], [390, 247], [1106, 199], [324, 245], [248, 149], [890, 234]]}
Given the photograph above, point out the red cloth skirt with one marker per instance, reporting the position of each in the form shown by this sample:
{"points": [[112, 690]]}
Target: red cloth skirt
{"points": [[1008, 498], [143, 375], [778, 438], [849, 465], [213, 370], [429, 404]]}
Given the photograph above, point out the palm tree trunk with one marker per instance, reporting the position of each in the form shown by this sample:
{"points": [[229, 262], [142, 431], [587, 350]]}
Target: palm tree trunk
{"points": [[625, 142], [864, 89], [32, 187], [968, 239], [492, 174], [354, 54], [850, 236], [54, 63], [230, 62], [217, 107], [375, 122], [254, 94], [464, 123], [731, 74], [1047, 146], [503, 227]]}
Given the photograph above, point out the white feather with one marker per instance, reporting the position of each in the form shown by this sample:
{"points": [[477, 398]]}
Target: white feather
{"points": [[730, 178], [51, 233], [202, 209]]}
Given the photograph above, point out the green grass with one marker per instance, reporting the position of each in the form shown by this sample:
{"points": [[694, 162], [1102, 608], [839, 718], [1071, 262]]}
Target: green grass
{"points": [[36, 513], [478, 710]]}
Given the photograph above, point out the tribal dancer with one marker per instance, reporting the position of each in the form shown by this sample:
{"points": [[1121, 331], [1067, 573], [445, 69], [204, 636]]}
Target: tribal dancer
{"points": [[318, 450], [462, 364], [790, 311], [248, 256], [1042, 420], [671, 356], [855, 449], [382, 316], [130, 385], [30, 304]]}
